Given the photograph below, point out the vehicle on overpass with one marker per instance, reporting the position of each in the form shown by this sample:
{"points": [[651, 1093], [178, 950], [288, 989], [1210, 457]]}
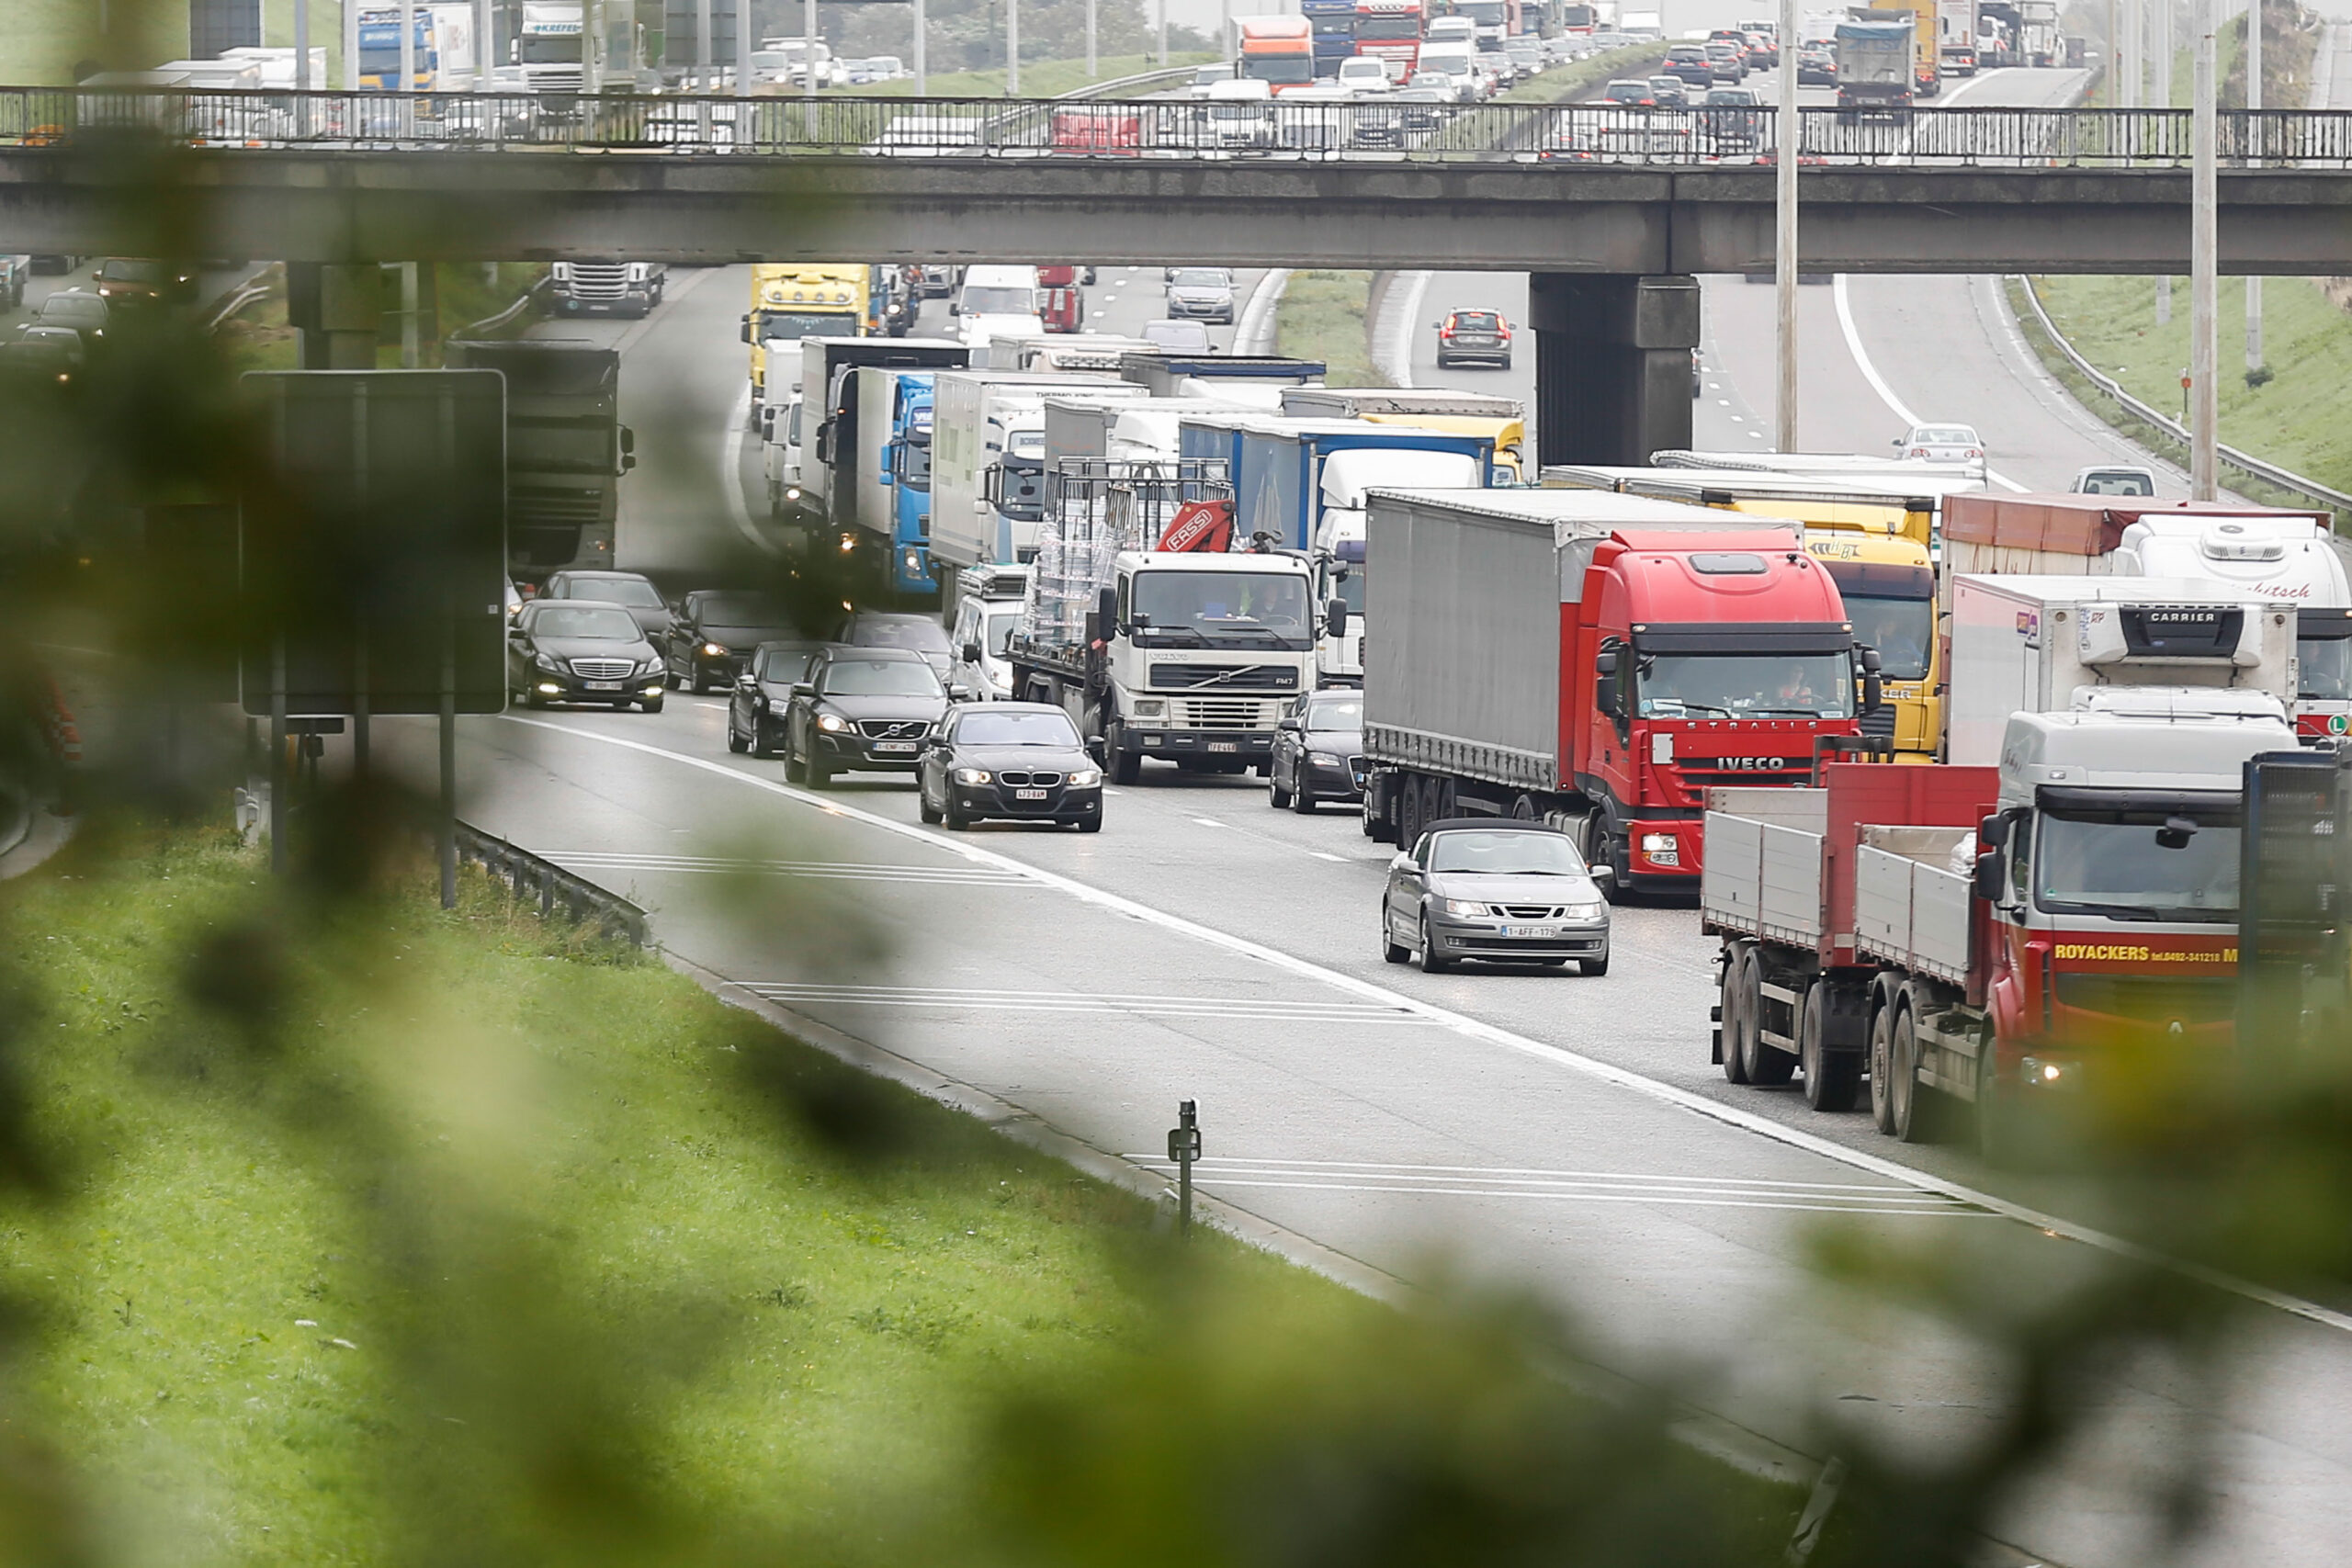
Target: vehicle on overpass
{"points": [[442, 53], [1362, 76], [548, 51], [1689, 62], [1156, 639], [793, 300], [1332, 26], [1816, 66], [860, 710], [1926, 42], [1206, 76], [1278, 50], [1318, 752], [1494, 892], [561, 651], [1996, 935], [1491, 21], [1579, 20], [606, 287], [1630, 655], [566, 449], [1009, 761], [1390, 32], [1874, 74]]}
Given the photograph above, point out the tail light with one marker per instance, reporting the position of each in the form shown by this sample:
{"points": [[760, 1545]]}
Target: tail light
{"points": [[1918, 452], [1976, 451]]}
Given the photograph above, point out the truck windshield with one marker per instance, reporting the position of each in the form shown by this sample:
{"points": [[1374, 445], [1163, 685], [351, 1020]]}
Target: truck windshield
{"points": [[555, 48], [1002, 624], [1023, 490], [1485, 13], [1221, 606], [997, 302], [1346, 584], [1745, 685], [791, 326], [1283, 68], [1899, 629], [1388, 29], [2326, 666], [2113, 862]]}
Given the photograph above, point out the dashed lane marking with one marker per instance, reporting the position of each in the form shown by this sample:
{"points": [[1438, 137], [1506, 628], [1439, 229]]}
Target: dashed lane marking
{"points": [[722, 865], [952, 998]]}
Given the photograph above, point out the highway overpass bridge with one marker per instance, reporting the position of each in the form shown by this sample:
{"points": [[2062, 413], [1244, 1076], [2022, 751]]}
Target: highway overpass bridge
{"points": [[1611, 209]]}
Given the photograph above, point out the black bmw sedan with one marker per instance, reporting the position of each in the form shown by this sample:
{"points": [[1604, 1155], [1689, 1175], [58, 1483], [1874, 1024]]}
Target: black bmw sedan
{"points": [[1018, 760]]}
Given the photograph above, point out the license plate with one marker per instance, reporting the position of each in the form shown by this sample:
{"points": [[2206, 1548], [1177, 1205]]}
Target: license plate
{"points": [[604, 685], [1535, 933], [1224, 745], [1028, 795], [894, 745]]}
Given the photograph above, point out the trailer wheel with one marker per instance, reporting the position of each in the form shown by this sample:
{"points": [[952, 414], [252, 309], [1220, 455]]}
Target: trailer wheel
{"points": [[1768, 1065], [1881, 1063], [1738, 1015], [1522, 809], [1408, 812], [1833, 1079], [1904, 1103]]}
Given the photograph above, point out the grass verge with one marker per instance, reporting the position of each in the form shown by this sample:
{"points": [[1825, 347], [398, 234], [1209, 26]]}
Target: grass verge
{"points": [[258, 338], [2290, 419], [1321, 316], [1564, 82], [1039, 78]]}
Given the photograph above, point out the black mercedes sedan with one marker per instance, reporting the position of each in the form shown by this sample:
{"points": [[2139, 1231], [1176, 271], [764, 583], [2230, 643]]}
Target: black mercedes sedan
{"points": [[713, 633], [861, 709], [1319, 750], [1021, 762], [756, 712], [566, 651]]}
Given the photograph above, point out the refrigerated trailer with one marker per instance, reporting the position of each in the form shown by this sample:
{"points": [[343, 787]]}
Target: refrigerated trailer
{"points": [[1998, 936], [1598, 661]]}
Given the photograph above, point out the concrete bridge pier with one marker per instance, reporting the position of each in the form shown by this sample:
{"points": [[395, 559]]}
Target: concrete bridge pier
{"points": [[339, 310], [1613, 364]]}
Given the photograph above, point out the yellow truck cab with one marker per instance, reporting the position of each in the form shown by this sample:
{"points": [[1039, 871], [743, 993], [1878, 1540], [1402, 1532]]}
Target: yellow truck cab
{"points": [[1877, 549], [1510, 436], [793, 300]]}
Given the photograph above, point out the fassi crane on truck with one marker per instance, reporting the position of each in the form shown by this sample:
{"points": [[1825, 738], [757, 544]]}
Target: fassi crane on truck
{"points": [[1596, 661], [1994, 935]]}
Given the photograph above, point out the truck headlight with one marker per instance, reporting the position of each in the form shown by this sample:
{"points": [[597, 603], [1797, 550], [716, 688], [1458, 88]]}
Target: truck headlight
{"points": [[1149, 707], [912, 560], [831, 723], [971, 775], [1085, 778], [1466, 908]]}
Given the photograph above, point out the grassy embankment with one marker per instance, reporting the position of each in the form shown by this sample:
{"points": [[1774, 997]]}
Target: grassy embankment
{"points": [[399, 1221], [1039, 78], [42, 40], [257, 337]]}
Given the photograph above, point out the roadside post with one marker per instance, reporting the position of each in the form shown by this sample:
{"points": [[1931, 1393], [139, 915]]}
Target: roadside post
{"points": [[1184, 1147], [372, 563]]}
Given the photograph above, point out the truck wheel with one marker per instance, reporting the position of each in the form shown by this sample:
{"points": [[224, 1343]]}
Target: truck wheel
{"points": [[1408, 812], [1737, 1015], [1126, 766], [1767, 1064], [1999, 1140], [1904, 1105], [1832, 1079], [1881, 1059]]}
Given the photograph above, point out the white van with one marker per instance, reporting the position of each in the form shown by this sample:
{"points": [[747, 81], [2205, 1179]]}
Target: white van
{"points": [[1454, 60], [997, 302]]}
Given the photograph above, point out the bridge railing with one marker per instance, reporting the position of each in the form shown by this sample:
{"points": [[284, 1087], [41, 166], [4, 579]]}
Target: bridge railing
{"points": [[1377, 129]]}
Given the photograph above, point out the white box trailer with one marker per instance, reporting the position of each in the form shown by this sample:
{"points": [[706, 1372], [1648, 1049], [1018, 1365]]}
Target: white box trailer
{"points": [[977, 420], [2025, 644]]}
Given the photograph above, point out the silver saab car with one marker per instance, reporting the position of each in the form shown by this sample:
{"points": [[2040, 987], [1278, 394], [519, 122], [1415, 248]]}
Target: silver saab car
{"points": [[1497, 890]]}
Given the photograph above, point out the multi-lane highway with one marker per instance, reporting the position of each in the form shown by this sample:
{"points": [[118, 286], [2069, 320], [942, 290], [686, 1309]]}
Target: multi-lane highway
{"points": [[1568, 1131]]}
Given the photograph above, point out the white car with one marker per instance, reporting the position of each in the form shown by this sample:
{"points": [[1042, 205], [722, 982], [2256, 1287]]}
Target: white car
{"points": [[2114, 479], [1957, 444], [1204, 77], [1363, 75]]}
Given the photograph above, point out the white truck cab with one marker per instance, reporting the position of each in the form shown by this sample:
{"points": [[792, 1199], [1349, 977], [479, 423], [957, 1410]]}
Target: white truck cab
{"points": [[997, 302], [1340, 569]]}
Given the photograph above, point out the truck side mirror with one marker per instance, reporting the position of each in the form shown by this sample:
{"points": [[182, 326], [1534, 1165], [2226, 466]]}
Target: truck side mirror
{"points": [[1995, 830], [1991, 873], [1604, 663], [1106, 612], [1335, 618], [744, 324], [1874, 692], [969, 653]]}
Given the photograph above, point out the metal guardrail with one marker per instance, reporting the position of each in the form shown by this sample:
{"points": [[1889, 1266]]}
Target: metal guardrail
{"points": [[552, 887], [2246, 463], [1380, 128], [1121, 83]]}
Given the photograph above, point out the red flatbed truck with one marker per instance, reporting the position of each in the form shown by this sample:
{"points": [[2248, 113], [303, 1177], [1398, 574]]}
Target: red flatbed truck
{"points": [[1598, 661]]}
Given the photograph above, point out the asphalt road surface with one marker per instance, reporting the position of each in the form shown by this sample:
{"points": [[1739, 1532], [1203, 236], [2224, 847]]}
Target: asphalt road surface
{"points": [[1563, 1131]]}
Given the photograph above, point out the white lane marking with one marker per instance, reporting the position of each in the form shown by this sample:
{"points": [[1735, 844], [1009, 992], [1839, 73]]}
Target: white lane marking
{"points": [[600, 860], [731, 481], [1590, 1067], [1208, 821], [977, 999], [1696, 1198], [1325, 854], [1878, 383]]}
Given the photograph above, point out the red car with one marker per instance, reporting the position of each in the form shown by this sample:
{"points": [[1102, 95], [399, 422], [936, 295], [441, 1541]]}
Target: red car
{"points": [[1474, 337]]}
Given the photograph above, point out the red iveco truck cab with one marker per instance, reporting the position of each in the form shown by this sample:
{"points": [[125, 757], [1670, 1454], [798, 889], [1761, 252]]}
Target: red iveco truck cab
{"points": [[1598, 661]]}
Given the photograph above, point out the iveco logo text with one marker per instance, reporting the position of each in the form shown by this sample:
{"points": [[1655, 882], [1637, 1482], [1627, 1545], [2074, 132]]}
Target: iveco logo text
{"points": [[1751, 764]]}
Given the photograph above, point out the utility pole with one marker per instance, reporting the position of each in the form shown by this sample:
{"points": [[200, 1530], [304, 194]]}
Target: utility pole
{"points": [[1163, 34], [1011, 46], [2162, 62], [2204, 345], [408, 46], [702, 43], [744, 42], [809, 29], [922, 32], [2254, 126], [1091, 73], [1784, 235], [592, 46]]}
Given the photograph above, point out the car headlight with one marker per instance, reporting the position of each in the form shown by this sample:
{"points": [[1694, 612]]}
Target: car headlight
{"points": [[971, 775], [1589, 911], [1085, 778], [1323, 759], [547, 661], [1149, 707], [831, 723], [712, 650], [1465, 908]]}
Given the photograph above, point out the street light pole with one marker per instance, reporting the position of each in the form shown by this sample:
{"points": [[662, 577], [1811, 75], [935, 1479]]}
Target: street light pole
{"points": [[809, 25], [2254, 126], [1090, 72], [2203, 273], [1784, 248], [2163, 91], [1012, 47], [922, 66]]}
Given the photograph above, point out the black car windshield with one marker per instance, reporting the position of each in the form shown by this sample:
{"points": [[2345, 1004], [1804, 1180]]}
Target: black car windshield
{"points": [[2118, 862], [635, 592], [1017, 729], [880, 678], [1713, 685], [1334, 712], [1224, 604], [919, 633], [1899, 628], [1505, 852], [586, 621], [2326, 666], [784, 666]]}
